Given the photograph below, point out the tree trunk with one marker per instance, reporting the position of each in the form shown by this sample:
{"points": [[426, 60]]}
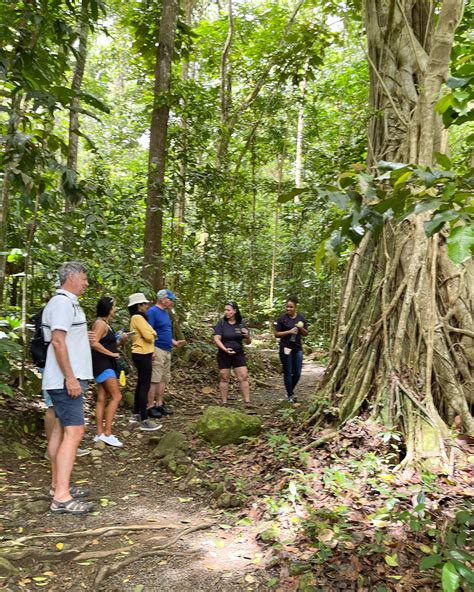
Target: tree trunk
{"points": [[152, 251], [73, 144], [180, 206], [402, 350]]}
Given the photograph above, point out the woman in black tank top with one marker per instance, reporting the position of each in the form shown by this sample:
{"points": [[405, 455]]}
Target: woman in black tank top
{"points": [[104, 360]]}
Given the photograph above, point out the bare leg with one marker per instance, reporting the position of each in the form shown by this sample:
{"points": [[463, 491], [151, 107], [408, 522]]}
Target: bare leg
{"points": [[224, 383], [152, 394], [100, 409], [243, 378], [64, 459], [160, 393], [49, 421], [112, 388], [54, 442]]}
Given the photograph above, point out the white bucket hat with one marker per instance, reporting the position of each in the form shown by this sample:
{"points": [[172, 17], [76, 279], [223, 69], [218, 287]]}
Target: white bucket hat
{"points": [[137, 298]]}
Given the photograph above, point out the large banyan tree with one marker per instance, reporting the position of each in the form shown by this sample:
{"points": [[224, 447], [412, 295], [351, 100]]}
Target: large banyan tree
{"points": [[403, 349]]}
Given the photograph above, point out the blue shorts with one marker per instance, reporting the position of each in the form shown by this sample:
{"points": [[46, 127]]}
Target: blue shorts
{"points": [[47, 399], [103, 376], [68, 410]]}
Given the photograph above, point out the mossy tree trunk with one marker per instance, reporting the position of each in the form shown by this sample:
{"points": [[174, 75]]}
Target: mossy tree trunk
{"points": [[402, 351]]}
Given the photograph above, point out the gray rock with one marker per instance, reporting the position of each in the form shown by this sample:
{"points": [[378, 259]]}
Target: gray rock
{"points": [[100, 445], [37, 507], [97, 453]]}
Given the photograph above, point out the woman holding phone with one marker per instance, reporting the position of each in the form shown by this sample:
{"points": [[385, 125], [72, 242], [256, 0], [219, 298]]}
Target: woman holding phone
{"points": [[229, 336], [104, 361]]}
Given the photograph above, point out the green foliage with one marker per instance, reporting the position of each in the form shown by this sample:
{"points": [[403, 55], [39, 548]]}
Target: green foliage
{"points": [[453, 561], [366, 202], [10, 352]]}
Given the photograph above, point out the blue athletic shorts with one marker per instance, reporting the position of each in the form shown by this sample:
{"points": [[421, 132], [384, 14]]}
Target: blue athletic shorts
{"points": [[68, 410], [109, 373]]}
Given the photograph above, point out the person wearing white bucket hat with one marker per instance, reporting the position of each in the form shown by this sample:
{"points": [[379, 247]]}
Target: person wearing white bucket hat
{"points": [[143, 338]]}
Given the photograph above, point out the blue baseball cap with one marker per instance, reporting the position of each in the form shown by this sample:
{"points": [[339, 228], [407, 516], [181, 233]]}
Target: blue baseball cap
{"points": [[165, 294]]}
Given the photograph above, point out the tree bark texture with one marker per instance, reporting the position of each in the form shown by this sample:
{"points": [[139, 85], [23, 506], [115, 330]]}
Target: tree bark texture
{"points": [[74, 109], [403, 349], [152, 263]]}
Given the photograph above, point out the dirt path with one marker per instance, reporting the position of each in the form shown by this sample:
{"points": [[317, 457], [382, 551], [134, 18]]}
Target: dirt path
{"points": [[206, 548]]}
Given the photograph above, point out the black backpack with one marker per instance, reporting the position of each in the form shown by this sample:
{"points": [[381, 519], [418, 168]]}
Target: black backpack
{"points": [[38, 345]]}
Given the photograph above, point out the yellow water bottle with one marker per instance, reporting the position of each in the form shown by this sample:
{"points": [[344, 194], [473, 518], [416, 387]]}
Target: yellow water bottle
{"points": [[122, 378]]}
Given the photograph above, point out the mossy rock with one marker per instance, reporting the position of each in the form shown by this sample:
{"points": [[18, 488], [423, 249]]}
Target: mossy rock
{"points": [[169, 444], [21, 451], [127, 399], [271, 535], [219, 425]]}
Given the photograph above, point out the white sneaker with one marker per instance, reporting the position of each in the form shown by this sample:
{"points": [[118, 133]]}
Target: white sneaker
{"points": [[83, 452], [111, 440], [98, 437]]}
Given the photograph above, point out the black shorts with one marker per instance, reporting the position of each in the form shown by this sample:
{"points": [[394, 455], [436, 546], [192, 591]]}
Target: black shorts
{"points": [[226, 361]]}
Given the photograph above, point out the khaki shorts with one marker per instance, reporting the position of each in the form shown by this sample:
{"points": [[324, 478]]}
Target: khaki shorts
{"points": [[161, 367]]}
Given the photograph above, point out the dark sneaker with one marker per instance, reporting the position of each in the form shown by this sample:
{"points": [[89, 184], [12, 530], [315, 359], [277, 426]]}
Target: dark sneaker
{"points": [[291, 400], [148, 425], [164, 410], [154, 413]]}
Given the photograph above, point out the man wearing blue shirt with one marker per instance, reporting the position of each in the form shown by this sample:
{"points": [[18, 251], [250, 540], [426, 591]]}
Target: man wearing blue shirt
{"points": [[160, 320]]}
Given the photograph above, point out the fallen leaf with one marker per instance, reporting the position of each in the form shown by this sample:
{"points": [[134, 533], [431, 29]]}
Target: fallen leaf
{"points": [[59, 546]]}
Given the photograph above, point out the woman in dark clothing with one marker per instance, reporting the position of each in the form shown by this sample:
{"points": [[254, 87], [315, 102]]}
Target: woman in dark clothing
{"points": [[229, 336], [104, 361], [290, 327]]}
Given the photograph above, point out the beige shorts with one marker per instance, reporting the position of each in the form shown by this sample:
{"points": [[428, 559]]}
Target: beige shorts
{"points": [[161, 366]]}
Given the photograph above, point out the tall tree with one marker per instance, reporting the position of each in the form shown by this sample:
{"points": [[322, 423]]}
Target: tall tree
{"points": [[402, 342], [74, 110], [153, 248]]}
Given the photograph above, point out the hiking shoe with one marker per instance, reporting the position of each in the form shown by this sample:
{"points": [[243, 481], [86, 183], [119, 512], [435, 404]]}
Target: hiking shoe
{"points": [[148, 425], [291, 400], [164, 410], [72, 506], [110, 440], [82, 452], [154, 412], [135, 418]]}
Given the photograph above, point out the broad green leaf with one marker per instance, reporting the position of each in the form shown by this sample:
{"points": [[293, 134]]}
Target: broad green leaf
{"points": [[431, 561], [444, 103], [460, 243], [391, 560], [443, 160], [450, 579]]}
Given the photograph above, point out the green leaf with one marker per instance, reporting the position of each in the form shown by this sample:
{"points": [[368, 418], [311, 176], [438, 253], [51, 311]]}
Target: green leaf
{"points": [[460, 243], [443, 160], [438, 221], [444, 103], [454, 82], [450, 579], [284, 197], [431, 561], [391, 560]]}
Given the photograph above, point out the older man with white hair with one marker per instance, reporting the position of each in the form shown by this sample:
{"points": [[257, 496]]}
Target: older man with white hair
{"points": [[68, 368], [160, 320]]}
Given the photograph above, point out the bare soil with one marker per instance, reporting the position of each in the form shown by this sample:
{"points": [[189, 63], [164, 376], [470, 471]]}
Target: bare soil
{"points": [[192, 544]]}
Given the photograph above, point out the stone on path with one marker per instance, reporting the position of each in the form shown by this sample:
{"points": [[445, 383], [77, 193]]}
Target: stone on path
{"points": [[220, 425]]}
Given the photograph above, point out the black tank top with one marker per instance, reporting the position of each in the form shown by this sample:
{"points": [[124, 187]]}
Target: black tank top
{"points": [[101, 362]]}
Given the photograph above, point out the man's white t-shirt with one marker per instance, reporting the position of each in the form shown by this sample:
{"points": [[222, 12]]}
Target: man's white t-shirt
{"points": [[64, 313]]}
